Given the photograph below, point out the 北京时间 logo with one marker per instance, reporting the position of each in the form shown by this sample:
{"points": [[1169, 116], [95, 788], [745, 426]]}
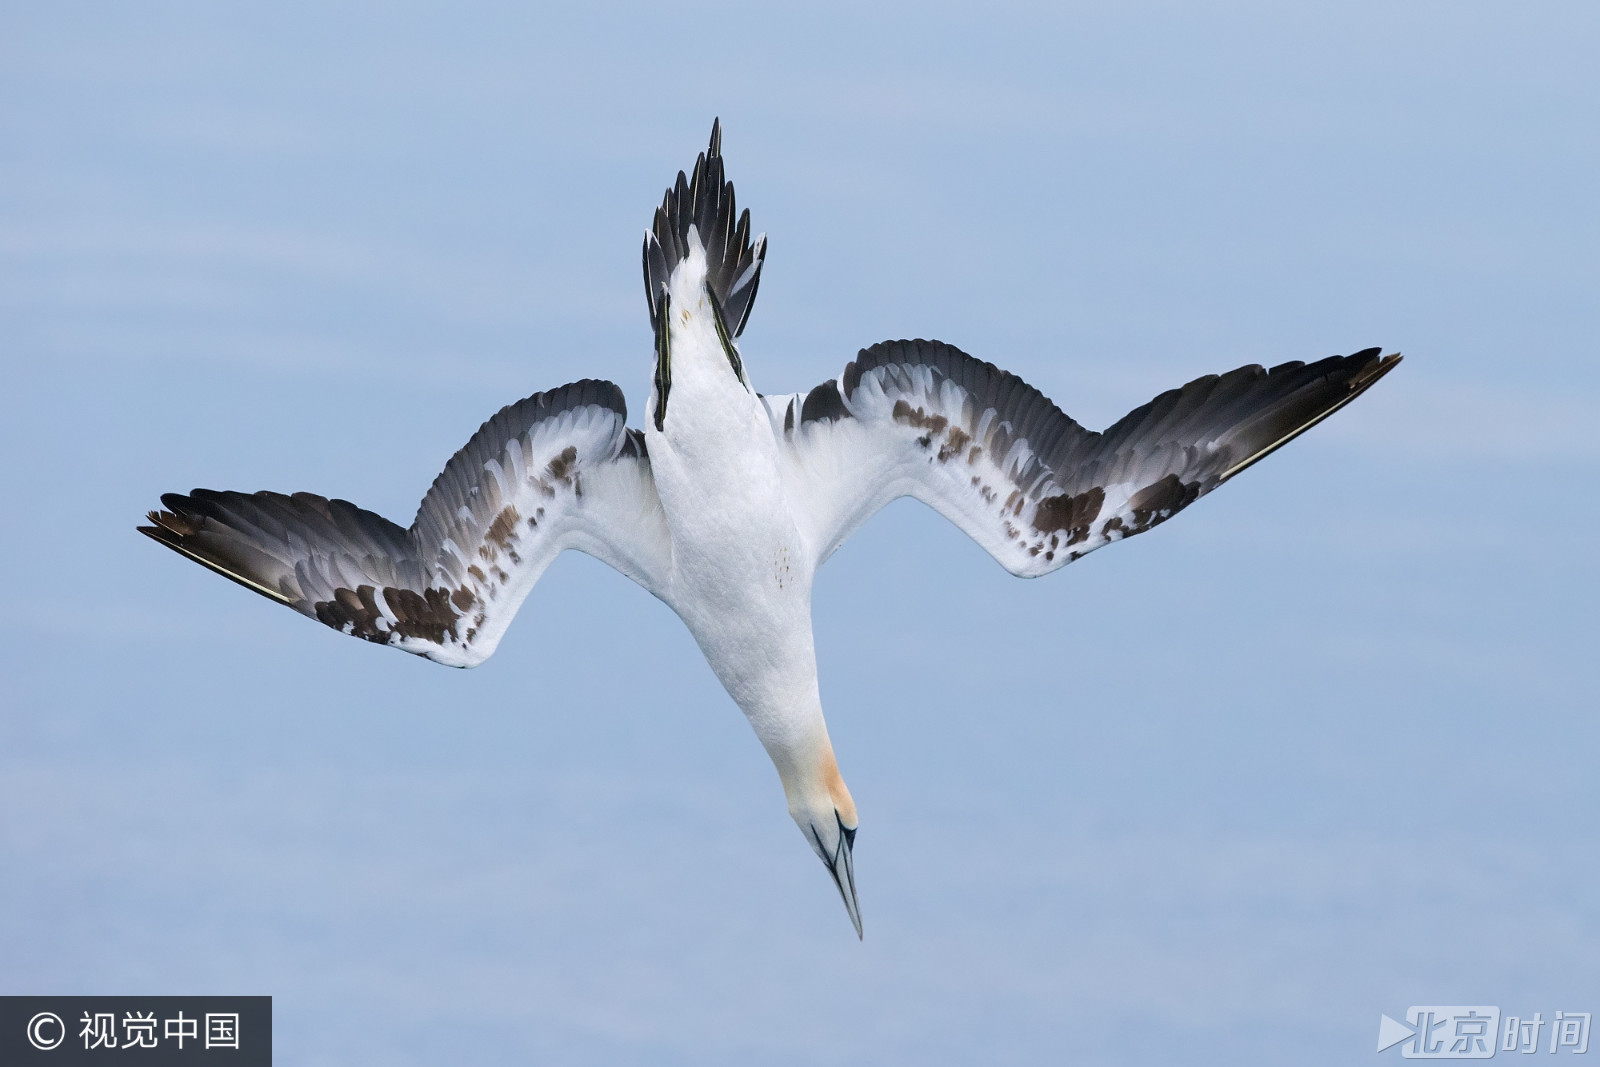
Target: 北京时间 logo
{"points": [[1478, 1031]]}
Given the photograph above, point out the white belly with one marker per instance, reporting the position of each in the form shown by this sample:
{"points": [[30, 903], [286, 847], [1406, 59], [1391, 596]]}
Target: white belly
{"points": [[738, 583]]}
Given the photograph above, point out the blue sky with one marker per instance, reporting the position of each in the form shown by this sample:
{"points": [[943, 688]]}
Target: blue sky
{"points": [[1322, 748]]}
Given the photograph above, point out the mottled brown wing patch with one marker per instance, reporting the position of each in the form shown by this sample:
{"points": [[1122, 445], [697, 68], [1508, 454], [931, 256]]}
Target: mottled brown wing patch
{"points": [[1159, 501], [426, 616], [1072, 515], [560, 468]]}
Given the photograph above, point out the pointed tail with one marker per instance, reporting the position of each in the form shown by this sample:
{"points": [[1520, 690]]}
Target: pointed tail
{"points": [[704, 203]]}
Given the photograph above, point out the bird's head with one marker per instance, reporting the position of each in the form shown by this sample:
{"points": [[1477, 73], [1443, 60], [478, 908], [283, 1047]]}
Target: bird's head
{"points": [[821, 807]]}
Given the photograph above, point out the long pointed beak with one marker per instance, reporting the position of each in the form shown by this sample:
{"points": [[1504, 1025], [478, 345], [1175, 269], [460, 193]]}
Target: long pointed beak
{"points": [[843, 868]]}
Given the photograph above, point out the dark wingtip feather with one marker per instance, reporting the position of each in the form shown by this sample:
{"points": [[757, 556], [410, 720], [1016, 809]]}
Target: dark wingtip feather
{"points": [[1375, 370], [162, 534], [178, 519], [1344, 378], [170, 533], [177, 503]]}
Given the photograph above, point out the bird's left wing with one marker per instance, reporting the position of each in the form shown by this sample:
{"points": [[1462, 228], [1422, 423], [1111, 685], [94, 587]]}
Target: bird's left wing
{"points": [[558, 470], [994, 456]]}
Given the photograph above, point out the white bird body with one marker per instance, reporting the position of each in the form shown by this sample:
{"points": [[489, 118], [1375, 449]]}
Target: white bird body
{"points": [[727, 502], [741, 573]]}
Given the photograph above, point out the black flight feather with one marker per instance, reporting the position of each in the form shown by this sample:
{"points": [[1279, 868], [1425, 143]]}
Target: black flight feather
{"points": [[705, 201]]}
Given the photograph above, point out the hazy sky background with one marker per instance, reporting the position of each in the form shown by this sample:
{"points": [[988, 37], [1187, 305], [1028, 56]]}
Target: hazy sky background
{"points": [[1323, 747]]}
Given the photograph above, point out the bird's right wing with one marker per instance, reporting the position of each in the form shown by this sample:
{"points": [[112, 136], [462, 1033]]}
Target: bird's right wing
{"points": [[558, 470], [994, 456]]}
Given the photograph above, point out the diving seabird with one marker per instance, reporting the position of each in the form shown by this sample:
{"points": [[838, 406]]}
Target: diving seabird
{"points": [[727, 501]]}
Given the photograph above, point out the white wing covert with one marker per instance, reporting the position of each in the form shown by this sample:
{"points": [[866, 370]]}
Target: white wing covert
{"points": [[994, 456], [557, 470]]}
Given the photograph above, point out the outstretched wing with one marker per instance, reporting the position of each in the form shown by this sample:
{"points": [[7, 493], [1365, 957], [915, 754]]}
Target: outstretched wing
{"points": [[558, 470], [994, 456]]}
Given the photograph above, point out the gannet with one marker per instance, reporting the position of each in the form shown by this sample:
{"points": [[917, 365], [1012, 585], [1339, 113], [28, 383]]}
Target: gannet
{"points": [[727, 501]]}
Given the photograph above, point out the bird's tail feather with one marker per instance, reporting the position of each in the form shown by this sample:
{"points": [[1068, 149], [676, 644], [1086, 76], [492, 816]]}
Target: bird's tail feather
{"points": [[705, 203]]}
